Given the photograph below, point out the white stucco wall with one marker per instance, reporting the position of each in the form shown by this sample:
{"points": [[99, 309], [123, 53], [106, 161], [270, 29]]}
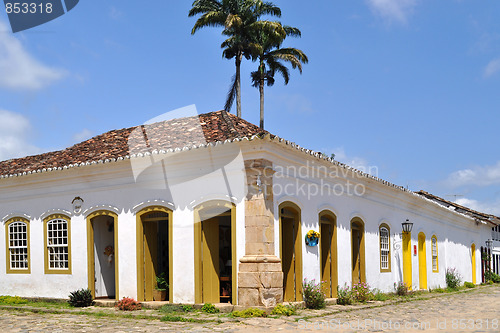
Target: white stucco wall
{"points": [[113, 186]]}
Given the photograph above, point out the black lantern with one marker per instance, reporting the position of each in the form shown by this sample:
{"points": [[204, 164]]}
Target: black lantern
{"points": [[407, 226]]}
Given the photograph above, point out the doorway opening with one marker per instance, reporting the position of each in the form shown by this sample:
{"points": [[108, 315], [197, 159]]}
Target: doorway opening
{"points": [[328, 245], [358, 251], [291, 251], [154, 248], [102, 255], [215, 253]]}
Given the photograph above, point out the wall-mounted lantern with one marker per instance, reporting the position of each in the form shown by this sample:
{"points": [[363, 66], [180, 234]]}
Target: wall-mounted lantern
{"points": [[77, 205], [407, 226], [489, 243]]}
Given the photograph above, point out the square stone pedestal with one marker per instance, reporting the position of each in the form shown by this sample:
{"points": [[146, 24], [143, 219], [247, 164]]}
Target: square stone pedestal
{"points": [[260, 281]]}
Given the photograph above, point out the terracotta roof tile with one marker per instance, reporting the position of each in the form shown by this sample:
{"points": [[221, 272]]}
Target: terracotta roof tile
{"points": [[176, 133], [460, 209]]}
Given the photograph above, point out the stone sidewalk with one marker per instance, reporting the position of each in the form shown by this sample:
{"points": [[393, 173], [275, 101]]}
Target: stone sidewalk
{"points": [[477, 310]]}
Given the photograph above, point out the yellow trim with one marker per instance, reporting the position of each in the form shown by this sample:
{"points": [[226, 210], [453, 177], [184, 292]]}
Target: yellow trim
{"points": [[198, 271], [385, 270], [362, 258], [407, 279], [46, 250], [473, 250], [90, 250], [7, 251], [140, 250], [422, 261], [334, 269], [297, 247], [437, 254]]}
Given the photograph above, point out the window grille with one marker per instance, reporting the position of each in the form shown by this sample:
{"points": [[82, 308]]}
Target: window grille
{"points": [[57, 244], [434, 253], [18, 245], [384, 248]]}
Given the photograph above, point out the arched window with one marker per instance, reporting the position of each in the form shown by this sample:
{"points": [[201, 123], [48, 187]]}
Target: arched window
{"points": [[57, 245], [17, 239], [385, 248], [434, 253]]}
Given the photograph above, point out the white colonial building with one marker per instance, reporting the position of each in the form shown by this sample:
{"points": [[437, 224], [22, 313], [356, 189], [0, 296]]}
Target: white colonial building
{"points": [[222, 209]]}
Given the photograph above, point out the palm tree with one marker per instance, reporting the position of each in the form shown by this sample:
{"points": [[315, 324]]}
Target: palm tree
{"points": [[271, 58], [240, 20]]}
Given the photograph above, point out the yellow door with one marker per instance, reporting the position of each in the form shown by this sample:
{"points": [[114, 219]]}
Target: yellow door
{"points": [[473, 251], [328, 259], [356, 260], [422, 262], [150, 258], [288, 259], [210, 261], [407, 259]]}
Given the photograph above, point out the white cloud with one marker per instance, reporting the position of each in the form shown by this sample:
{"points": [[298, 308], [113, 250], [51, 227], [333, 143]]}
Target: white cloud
{"points": [[115, 13], [14, 131], [392, 10], [352, 161], [483, 207], [479, 176], [18, 69], [82, 135], [295, 103], [492, 68]]}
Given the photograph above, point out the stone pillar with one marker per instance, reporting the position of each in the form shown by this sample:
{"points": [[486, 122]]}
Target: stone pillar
{"points": [[260, 278]]}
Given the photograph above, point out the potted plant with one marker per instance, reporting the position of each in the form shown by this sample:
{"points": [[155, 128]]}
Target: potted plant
{"points": [[312, 238], [160, 291]]}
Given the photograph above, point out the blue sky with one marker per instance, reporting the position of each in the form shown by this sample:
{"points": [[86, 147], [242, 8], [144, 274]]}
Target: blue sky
{"points": [[409, 87]]}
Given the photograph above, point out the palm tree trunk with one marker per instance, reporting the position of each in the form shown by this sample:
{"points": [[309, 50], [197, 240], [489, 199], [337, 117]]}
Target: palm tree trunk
{"points": [[261, 90], [239, 57]]}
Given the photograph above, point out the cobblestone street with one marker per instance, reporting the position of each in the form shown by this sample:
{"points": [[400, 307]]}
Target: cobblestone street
{"points": [[475, 311]]}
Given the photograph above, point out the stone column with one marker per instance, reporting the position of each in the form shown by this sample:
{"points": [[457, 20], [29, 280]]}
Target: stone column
{"points": [[260, 278]]}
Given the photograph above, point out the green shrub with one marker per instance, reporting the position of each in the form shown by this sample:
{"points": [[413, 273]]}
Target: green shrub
{"points": [[128, 304], [453, 278], [400, 288], [469, 284], [361, 292], [284, 310], [187, 308], [344, 295], [313, 296], [249, 313], [8, 300], [171, 308], [81, 298], [491, 276], [439, 290], [379, 296], [209, 308], [170, 317]]}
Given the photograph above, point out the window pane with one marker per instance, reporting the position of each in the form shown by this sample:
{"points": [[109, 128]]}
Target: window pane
{"points": [[18, 245], [57, 240]]}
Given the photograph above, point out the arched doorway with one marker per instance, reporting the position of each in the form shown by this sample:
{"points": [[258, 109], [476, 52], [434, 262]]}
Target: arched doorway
{"points": [[328, 254], [473, 256], [291, 251], [154, 251], [358, 250], [102, 254], [422, 261], [215, 253]]}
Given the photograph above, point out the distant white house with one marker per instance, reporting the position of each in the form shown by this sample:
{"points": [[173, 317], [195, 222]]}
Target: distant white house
{"points": [[222, 209]]}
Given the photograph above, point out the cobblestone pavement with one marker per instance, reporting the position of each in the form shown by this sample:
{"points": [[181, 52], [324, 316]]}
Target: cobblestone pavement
{"points": [[474, 311]]}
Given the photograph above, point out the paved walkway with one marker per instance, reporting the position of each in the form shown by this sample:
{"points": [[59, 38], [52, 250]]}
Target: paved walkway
{"points": [[474, 311]]}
